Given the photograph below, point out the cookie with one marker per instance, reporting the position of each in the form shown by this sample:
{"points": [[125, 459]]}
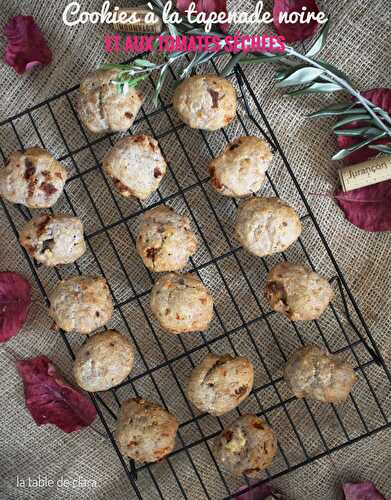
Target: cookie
{"points": [[136, 166], [181, 303], [102, 107], [33, 178], [206, 102], [81, 304]]}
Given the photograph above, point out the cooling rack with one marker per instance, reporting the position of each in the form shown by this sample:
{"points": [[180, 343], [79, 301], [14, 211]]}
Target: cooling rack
{"points": [[243, 324]]}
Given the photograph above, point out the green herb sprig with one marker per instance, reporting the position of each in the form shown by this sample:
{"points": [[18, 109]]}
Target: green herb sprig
{"points": [[299, 72]]}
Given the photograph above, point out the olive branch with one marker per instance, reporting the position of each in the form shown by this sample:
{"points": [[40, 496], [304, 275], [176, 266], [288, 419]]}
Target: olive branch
{"points": [[299, 72]]}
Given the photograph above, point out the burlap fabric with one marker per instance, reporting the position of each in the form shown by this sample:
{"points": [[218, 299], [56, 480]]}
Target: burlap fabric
{"points": [[359, 43]]}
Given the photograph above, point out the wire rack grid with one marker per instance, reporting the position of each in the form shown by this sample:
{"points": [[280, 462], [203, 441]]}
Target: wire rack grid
{"points": [[243, 325]]}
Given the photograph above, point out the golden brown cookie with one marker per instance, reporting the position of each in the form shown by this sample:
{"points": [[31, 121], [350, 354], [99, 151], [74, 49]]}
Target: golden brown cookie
{"points": [[240, 170], [145, 431], [53, 239], [265, 226], [297, 292], [81, 304], [181, 303], [136, 166], [313, 373], [220, 383], [165, 240], [247, 446], [102, 107], [103, 362], [206, 102], [33, 178]]}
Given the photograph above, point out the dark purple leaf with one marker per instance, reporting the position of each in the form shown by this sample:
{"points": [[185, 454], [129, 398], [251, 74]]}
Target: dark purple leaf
{"points": [[362, 154], [15, 299], [294, 32], [368, 208], [261, 492], [27, 47], [362, 491], [50, 399], [380, 97]]}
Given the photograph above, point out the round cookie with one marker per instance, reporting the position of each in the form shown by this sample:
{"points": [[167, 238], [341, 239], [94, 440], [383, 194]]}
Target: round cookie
{"points": [[181, 303], [32, 178], [136, 166], [145, 431], [53, 239], [102, 107], [247, 446], [165, 240], [206, 102], [103, 362], [297, 292], [240, 170], [265, 226], [220, 383], [81, 304], [312, 372]]}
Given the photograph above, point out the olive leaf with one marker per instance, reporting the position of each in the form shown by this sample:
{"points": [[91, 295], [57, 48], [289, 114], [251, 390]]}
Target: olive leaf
{"points": [[358, 132], [159, 84], [346, 152], [285, 71], [144, 63], [320, 41], [158, 3], [172, 29], [381, 147], [351, 118], [261, 58], [300, 77], [316, 88], [334, 70], [124, 86], [336, 110]]}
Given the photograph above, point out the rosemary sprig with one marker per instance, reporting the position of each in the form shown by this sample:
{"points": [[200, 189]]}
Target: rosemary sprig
{"points": [[299, 73]]}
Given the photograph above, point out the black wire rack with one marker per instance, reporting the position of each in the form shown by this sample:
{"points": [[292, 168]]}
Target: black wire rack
{"points": [[243, 324]]}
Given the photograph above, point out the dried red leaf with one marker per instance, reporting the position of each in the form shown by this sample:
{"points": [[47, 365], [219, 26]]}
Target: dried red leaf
{"points": [[15, 299], [365, 490], [380, 97], [362, 154], [368, 208], [27, 47], [206, 6], [294, 32], [50, 399], [261, 492]]}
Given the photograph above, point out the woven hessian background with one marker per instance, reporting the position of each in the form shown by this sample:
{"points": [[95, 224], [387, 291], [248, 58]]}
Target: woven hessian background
{"points": [[359, 43]]}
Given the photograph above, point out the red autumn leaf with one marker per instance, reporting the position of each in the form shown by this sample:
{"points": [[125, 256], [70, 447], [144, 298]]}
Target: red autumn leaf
{"points": [[206, 6], [15, 299], [50, 399], [368, 208], [362, 154], [27, 47], [294, 32], [365, 490], [380, 97], [261, 492]]}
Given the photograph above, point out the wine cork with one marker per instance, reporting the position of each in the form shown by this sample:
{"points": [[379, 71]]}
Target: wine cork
{"points": [[366, 173], [138, 22]]}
